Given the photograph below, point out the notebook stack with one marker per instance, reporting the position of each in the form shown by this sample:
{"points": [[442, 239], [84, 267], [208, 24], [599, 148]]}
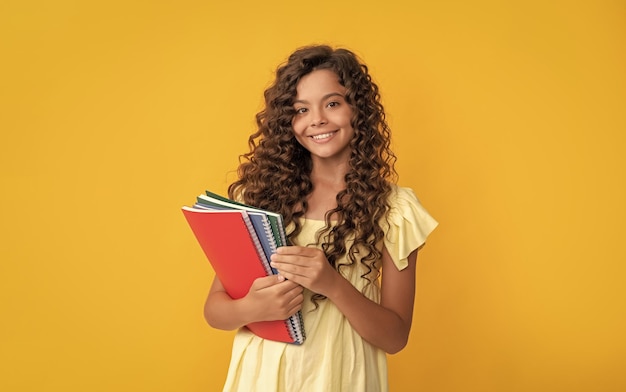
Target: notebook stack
{"points": [[238, 241]]}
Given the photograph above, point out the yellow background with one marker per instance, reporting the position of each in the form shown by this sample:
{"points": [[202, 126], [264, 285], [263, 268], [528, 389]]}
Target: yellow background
{"points": [[508, 120]]}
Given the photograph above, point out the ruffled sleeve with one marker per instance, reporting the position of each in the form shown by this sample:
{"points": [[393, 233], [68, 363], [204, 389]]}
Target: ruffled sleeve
{"points": [[407, 225]]}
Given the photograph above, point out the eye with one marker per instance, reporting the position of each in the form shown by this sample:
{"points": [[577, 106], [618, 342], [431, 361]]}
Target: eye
{"points": [[332, 104], [301, 110]]}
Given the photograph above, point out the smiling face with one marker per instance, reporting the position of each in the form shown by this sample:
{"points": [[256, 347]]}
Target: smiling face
{"points": [[322, 120]]}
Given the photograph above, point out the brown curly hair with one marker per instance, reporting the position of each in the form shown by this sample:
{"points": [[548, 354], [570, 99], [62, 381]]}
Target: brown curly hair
{"points": [[275, 174]]}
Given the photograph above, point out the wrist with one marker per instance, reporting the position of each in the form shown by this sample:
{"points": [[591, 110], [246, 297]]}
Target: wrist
{"points": [[246, 311], [336, 287]]}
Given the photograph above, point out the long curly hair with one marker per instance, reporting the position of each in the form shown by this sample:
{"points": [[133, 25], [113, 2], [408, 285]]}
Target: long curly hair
{"points": [[276, 173]]}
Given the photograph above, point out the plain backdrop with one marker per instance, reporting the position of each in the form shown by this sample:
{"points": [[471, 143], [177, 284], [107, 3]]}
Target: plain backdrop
{"points": [[507, 118]]}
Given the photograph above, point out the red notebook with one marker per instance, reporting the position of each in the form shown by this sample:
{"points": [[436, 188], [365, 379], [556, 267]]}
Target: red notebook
{"points": [[229, 241]]}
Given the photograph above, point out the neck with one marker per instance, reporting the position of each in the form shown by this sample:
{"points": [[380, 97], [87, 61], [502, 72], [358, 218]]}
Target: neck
{"points": [[331, 173]]}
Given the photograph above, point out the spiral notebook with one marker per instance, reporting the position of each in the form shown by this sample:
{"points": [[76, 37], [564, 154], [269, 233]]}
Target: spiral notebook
{"points": [[238, 241]]}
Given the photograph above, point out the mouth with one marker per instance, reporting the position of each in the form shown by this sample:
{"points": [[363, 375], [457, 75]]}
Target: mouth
{"points": [[323, 136]]}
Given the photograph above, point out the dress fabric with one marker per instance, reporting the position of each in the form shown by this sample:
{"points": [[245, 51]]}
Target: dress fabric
{"points": [[333, 357]]}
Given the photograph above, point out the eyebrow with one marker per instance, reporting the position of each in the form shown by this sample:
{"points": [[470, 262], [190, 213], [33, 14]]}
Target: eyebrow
{"points": [[325, 97]]}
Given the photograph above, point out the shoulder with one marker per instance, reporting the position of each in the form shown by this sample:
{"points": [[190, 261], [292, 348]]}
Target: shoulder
{"points": [[404, 203], [401, 192], [401, 198]]}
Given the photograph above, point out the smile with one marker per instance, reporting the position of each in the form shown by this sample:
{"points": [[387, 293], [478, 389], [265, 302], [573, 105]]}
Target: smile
{"points": [[323, 136]]}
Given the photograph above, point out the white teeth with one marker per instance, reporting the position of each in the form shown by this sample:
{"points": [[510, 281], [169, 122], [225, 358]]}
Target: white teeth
{"points": [[322, 136]]}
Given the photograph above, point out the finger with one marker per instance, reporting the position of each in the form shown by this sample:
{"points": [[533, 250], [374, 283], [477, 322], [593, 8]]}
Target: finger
{"points": [[296, 302], [287, 268], [287, 286], [296, 250], [294, 309], [295, 291], [294, 277], [294, 296], [268, 281], [290, 259], [291, 299]]}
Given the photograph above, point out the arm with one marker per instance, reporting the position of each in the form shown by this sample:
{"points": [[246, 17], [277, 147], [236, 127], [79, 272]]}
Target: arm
{"points": [[223, 312], [385, 325]]}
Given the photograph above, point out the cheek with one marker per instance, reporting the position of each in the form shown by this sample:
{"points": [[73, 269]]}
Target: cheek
{"points": [[346, 116], [298, 125]]}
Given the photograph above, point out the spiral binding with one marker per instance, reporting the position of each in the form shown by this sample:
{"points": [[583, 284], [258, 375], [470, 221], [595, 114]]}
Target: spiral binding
{"points": [[257, 243]]}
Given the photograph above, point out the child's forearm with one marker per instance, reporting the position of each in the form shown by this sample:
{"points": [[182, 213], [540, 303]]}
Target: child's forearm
{"points": [[223, 312], [376, 324], [385, 325]]}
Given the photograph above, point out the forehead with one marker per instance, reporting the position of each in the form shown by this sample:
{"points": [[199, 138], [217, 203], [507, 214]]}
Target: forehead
{"points": [[319, 82]]}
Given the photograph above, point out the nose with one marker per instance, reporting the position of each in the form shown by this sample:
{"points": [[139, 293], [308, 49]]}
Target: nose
{"points": [[318, 119]]}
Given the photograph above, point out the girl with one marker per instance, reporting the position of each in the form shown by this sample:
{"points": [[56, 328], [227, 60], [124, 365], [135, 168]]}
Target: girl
{"points": [[321, 157]]}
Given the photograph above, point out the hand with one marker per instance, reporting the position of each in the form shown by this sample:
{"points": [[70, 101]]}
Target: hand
{"points": [[274, 298], [305, 266]]}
